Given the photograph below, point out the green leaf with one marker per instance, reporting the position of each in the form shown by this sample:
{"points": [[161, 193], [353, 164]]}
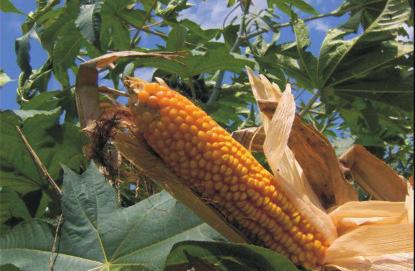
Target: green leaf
{"points": [[4, 78], [45, 101], [22, 48], [198, 63], [226, 256], [67, 46], [9, 267], [7, 6], [176, 38], [303, 6], [195, 34], [335, 50], [113, 32], [12, 206], [307, 61], [172, 9], [87, 23], [97, 234], [361, 73], [53, 143], [134, 17], [282, 5]]}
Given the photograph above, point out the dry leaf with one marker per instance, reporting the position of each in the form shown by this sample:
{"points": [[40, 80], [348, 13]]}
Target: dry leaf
{"points": [[373, 175], [373, 247], [312, 150], [286, 169]]}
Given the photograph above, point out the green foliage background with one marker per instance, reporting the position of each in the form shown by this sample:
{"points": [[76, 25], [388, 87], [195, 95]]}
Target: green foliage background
{"points": [[360, 88]]}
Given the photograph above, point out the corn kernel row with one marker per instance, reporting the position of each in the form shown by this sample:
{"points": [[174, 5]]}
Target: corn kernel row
{"points": [[223, 173]]}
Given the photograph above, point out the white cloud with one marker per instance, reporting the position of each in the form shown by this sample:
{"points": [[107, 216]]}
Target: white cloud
{"points": [[319, 25]]}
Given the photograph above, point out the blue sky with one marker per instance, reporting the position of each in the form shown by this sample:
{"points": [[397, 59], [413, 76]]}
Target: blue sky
{"points": [[208, 13]]}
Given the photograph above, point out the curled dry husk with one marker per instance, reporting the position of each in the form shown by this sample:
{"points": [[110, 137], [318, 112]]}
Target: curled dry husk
{"points": [[369, 235], [363, 235]]}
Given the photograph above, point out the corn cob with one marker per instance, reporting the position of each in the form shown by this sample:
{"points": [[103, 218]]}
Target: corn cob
{"points": [[223, 173]]}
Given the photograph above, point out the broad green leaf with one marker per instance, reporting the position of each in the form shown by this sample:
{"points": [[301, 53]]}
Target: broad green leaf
{"points": [[113, 32], [198, 63], [44, 101], [4, 78], [172, 9], [195, 34], [287, 5], [87, 23], [54, 144], [97, 234], [226, 257], [7, 6], [67, 46], [176, 38], [336, 50], [365, 61], [134, 17], [28, 247], [12, 206], [368, 10], [307, 61], [9, 267], [303, 6]]}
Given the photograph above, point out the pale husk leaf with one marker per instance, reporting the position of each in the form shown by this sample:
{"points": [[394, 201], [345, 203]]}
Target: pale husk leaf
{"points": [[353, 214], [409, 203], [311, 149], [373, 175], [287, 171], [373, 247]]}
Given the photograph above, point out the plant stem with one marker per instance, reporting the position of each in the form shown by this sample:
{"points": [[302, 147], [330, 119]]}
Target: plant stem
{"points": [[310, 103], [134, 40], [39, 163], [235, 46], [336, 12]]}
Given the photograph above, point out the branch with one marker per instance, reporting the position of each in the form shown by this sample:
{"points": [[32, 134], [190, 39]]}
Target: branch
{"points": [[235, 46], [310, 103], [134, 40], [55, 239], [329, 14], [39, 163]]}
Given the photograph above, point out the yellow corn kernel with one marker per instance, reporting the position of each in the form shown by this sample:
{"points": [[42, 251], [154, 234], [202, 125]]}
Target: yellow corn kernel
{"points": [[223, 173]]}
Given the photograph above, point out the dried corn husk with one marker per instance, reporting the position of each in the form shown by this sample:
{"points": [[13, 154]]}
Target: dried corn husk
{"points": [[364, 236], [372, 235]]}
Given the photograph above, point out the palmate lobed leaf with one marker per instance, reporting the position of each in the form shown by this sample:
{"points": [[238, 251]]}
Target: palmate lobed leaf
{"points": [[217, 58], [337, 52], [96, 233], [20, 179]]}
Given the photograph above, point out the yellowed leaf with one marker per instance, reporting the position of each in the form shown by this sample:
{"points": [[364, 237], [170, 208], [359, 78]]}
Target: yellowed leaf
{"points": [[353, 214], [281, 160], [373, 247], [373, 175]]}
